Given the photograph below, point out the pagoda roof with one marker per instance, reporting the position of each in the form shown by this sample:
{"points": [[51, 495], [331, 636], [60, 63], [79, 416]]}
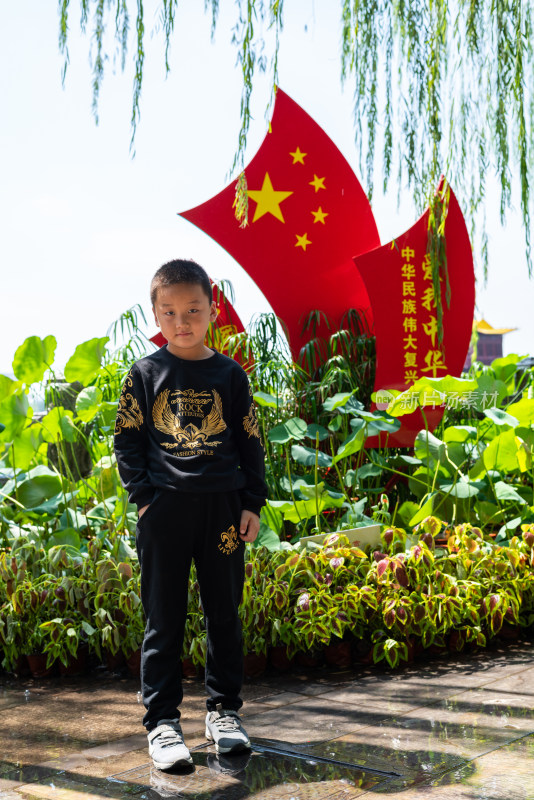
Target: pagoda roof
{"points": [[484, 327]]}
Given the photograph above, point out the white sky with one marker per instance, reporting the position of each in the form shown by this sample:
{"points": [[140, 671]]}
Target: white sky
{"points": [[84, 226]]}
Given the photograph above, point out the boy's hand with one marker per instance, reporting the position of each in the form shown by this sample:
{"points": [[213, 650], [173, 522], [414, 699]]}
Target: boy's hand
{"points": [[142, 511], [249, 527]]}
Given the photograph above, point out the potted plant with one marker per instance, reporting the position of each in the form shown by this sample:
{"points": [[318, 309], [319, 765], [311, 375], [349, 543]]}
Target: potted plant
{"points": [[65, 640], [194, 648], [254, 623], [40, 663], [116, 602]]}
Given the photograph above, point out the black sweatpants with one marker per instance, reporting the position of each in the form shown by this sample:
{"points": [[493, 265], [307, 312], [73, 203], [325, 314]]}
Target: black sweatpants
{"points": [[176, 528]]}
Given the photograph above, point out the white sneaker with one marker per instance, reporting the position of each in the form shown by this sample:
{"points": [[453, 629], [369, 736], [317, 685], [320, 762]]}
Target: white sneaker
{"points": [[166, 745], [224, 727]]}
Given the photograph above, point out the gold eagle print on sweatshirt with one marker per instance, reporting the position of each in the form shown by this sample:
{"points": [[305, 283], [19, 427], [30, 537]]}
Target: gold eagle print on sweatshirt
{"points": [[129, 414], [189, 403], [250, 423]]}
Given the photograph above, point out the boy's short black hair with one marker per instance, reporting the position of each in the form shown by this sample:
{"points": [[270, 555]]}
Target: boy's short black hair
{"points": [[180, 271]]}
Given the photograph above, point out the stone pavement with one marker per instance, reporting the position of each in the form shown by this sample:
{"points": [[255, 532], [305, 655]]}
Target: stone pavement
{"points": [[458, 728]]}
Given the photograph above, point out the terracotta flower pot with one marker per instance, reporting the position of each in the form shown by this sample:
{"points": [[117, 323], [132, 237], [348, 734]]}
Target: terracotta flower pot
{"points": [[133, 662], [508, 631], [189, 670], [76, 664], [309, 658], [114, 661], [362, 652], [37, 665], [456, 641], [410, 644], [338, 654], [21, 668], [418, 649], [278, 658], [436, 650], [254, 665]]}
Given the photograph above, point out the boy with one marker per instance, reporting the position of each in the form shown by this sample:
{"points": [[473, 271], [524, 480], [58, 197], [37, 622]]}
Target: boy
{"points": [[190, 455]]}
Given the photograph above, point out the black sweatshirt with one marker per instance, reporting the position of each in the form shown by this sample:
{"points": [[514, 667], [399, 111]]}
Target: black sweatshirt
{"points": [[189, 426]]}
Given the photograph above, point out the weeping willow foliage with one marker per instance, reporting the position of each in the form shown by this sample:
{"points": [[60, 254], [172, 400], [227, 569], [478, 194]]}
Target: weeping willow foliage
{"points": [[439, 86]]}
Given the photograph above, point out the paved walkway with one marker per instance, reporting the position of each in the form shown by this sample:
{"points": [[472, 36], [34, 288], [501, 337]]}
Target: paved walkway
{"points": [[461, 729]]}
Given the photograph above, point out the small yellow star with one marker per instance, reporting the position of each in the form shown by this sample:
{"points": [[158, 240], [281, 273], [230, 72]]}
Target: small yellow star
{"points": [[268, 200], [298, 156], [302, 241], [319, 215], [317, 183]]}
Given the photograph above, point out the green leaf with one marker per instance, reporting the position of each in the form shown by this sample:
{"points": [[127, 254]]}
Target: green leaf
{"points": [[294, 428], [407, 510], [7, 387], [39, 485], [59, 424], [431, 392], [84, 364], [369, 471], [507, 493], [108, 412], [462, 488], [68, 536], [353, 444], [488, 513], [264, 399], [125, 551], [336, 423], [524, 456], [272, 517], [71, 518], [399, 460], [426, 444], [267, 538], [457, 455], [310, 491], [505, 368], [523, 411], [306, 456], [339, 400], [424, 511], [104, 510], [88, 403], [25, 446], [459, 433], [49, 507], [33, 358], [502, 453], [89, 630], [500, 417], [350, 478], [14, 412], [504, 531], [304, 509], [315, 429], [490, 391], [378, 422]]}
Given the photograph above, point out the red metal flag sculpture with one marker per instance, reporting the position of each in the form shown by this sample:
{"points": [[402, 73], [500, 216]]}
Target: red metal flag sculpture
{"points": [[312, 244], [308, 216], [399, 282]]}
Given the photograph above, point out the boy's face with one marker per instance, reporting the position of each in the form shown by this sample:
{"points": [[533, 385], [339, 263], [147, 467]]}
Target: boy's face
{"points": [[183, 313]]}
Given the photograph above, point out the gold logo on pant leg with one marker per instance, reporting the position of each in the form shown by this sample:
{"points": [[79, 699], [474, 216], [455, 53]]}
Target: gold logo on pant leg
{"points": [[229, 541]]}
